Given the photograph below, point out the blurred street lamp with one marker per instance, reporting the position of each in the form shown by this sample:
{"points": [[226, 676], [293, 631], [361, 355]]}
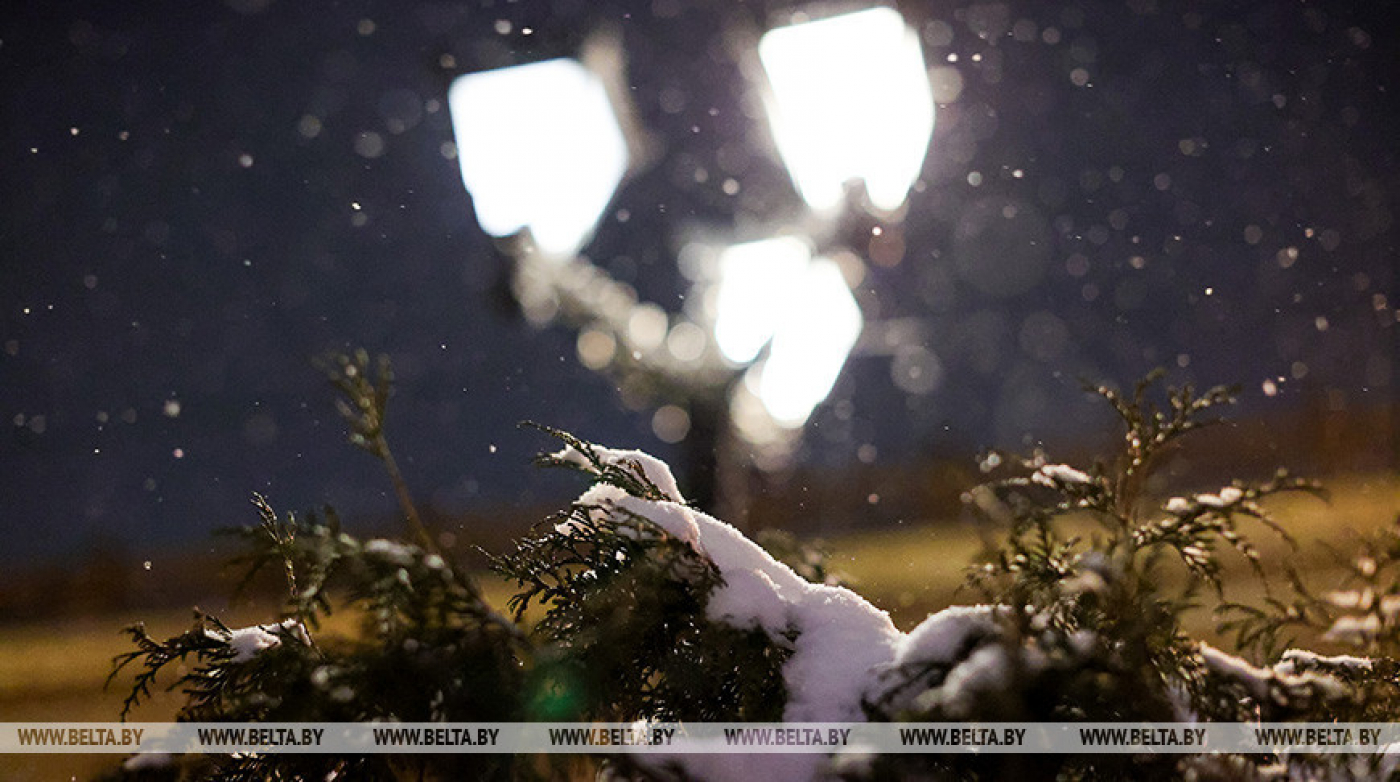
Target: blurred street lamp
{"points": [[772, 293], [850, 100], [751, 275], [819, 327], [540, 149], [542, 152]]}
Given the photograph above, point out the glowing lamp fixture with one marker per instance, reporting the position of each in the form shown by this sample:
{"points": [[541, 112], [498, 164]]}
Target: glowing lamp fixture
{"points": [[752, 276], [772, 292], [815, 334], [850, 100], [540, 148]]}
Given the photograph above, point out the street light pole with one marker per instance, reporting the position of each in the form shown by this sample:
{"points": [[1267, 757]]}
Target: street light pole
{"points": [[542, 151]]}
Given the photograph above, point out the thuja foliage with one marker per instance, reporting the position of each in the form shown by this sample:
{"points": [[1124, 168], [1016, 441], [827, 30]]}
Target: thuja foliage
{"points": [[428, 649], [1083, 597], [624, 618], [623, 634], [1089, 625]]}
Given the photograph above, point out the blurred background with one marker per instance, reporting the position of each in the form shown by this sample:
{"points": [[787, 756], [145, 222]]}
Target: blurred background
{"points": [[200, 198]]}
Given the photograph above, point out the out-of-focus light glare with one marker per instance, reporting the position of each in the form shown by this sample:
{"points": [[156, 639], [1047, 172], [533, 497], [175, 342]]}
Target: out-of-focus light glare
{"points": [[755, 279], [540, 148], [813, 339], [596, 348], [647, 325], [850, 100], [670, 424], [686, 342]]}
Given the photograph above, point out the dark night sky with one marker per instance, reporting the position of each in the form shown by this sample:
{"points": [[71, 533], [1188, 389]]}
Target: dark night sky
{"points": [[1114, 186]]}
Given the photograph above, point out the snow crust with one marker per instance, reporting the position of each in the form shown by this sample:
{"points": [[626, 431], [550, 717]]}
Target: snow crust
{"points": [[247, 642], [842, 638], [655, 470], [985, 671], [1354, 629], [842, 641], [1294, 659], [943, 637], [1363, 600], [843, 646], [1052, 474], [1226, 497], [397, 553], [1259, 682]]}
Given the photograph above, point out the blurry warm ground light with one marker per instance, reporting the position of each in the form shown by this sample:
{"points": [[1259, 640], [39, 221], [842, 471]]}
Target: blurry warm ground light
{"points": [[54, 670]]}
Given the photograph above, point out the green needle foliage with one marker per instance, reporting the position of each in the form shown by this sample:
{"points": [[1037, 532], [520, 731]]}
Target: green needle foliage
{"points": [[429, 650], [1088, 628], [364, 404], [609, 623], [624, 618]]}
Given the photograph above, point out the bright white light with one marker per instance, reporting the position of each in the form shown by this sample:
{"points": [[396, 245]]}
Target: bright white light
{"points": [[539, 148], [814, 336], [754, 279], [850, 100], [773, 290]]}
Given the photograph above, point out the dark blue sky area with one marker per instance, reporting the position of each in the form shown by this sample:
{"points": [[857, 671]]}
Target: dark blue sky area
{"points": [[200, 197]]}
